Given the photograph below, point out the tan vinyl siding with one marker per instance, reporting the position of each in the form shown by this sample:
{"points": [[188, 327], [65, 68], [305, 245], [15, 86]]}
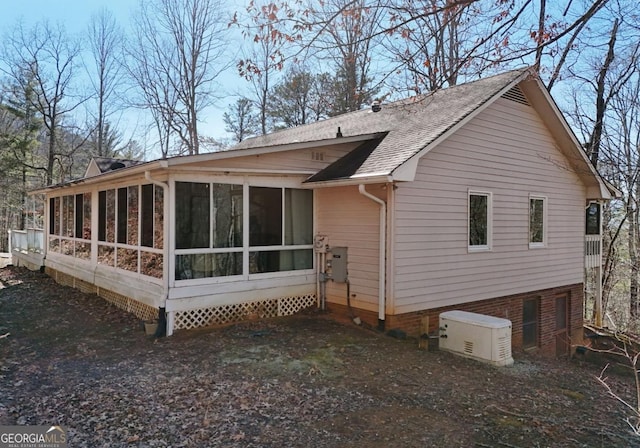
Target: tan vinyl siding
{"points": [[302, 159], [507, 151], [351, 220]]}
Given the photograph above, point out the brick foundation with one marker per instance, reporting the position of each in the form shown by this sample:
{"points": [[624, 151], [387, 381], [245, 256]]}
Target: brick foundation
{"points": [[509, 307]]}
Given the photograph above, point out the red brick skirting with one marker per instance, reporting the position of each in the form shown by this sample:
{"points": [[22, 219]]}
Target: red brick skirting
{"points": [[509, 307]]}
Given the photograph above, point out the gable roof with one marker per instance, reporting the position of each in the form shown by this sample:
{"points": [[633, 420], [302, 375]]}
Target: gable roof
{"points": [[411, 127], [410, 124]]}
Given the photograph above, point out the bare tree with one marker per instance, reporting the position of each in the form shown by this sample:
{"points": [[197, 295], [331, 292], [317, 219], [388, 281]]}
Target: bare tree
{"points": [[348, 39], [621, 159], [432, 49], [105, 39], [47, 57], [179, 45], [261, 63]]}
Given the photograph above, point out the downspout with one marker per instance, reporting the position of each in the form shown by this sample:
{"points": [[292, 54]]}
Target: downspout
{"points": [[164, 329], [382, 257]]}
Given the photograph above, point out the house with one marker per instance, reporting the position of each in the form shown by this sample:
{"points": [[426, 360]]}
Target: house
{"points": [[470, 198]]}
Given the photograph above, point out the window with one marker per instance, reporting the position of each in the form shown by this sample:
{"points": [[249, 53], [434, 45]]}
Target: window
{"points": [[479, 221], [128, 218], [122, 215], [593, 219], [530, 314], [83, 216], [537, 221], [281, 218], [147, 215], [128, 215], [151, 233], [70, 225], [209, 218], [211, 227], [192, 215]]}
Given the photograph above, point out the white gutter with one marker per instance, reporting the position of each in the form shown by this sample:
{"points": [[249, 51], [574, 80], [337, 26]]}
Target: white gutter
{"points": [[369, 179], [382, 257], [165, 244]]}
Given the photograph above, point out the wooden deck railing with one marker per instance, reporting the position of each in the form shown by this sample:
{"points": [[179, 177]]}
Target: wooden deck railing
{"points": [[26, 241], [592, 251]]}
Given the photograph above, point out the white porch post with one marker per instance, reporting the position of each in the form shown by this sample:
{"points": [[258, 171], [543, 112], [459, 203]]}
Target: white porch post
{"points": [[598, 304]]}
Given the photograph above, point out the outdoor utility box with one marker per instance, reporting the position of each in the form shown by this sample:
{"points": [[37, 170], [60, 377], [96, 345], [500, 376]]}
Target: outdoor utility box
{"points": [[477, 336], [339, 264]]}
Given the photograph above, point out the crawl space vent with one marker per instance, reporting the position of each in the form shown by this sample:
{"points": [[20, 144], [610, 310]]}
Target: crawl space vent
{"points": [[516, 94]]}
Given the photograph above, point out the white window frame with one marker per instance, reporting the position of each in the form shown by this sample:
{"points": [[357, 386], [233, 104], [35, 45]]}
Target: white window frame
{"points": [[247, 182], [482, 247], [545, 228]]}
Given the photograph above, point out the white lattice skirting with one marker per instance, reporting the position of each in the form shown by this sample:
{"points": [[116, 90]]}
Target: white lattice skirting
{"points": [[205, 317]]}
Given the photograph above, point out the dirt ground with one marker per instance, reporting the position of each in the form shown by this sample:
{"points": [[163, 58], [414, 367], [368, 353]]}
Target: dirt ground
{"points": [[72, 359]]}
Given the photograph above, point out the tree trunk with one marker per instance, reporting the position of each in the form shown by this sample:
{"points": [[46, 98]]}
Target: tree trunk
{"points": [[633, 259]]}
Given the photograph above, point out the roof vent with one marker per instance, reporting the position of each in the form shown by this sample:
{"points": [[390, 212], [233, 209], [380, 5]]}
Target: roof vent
{"points": [[516, 94], [339, 133], [375, 106]]}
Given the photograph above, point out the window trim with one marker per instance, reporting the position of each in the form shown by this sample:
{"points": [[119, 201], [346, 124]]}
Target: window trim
{"points": [[545, 228], [246, 248], [481, 247]]}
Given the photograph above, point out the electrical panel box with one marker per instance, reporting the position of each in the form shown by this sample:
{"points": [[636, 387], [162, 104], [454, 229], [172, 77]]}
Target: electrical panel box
{"points": [[485, 338], [339, 264]]}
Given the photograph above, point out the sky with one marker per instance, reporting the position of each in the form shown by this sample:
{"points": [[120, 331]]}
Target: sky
{"points": [[75, 15]]}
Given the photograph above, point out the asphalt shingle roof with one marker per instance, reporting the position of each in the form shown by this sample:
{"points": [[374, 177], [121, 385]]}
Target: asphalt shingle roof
{"points": [[410, 124]]}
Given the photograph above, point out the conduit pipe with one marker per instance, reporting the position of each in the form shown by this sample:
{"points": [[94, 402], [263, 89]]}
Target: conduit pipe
{"points": [[382, 257]]}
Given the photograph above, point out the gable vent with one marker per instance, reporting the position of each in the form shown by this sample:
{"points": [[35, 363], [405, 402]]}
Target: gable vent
{"points": [[516, 94]]}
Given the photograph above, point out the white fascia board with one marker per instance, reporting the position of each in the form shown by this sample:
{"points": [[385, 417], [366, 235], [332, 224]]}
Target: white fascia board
{"points": [[110, 175], [353, 180]]}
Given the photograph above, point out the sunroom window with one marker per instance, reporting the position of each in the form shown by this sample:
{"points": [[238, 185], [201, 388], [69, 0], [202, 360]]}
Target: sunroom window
{"points": [[211, 226], [209, 223], [281, 229], [70, 225], [130, 229]]}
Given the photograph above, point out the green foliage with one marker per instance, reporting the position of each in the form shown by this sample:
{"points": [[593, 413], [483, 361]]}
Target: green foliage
{"points": [[241, 120], [300, 98]]}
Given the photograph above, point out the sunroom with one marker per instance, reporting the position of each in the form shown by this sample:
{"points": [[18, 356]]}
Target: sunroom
{"points": [[195, 248]]}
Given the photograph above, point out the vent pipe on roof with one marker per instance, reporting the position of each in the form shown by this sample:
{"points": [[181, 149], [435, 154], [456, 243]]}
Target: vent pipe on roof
{"points": [[375, 106], [339, 133]]}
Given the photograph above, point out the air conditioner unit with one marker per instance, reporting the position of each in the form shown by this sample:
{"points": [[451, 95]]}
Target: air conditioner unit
{"points": [[477, 336]]}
